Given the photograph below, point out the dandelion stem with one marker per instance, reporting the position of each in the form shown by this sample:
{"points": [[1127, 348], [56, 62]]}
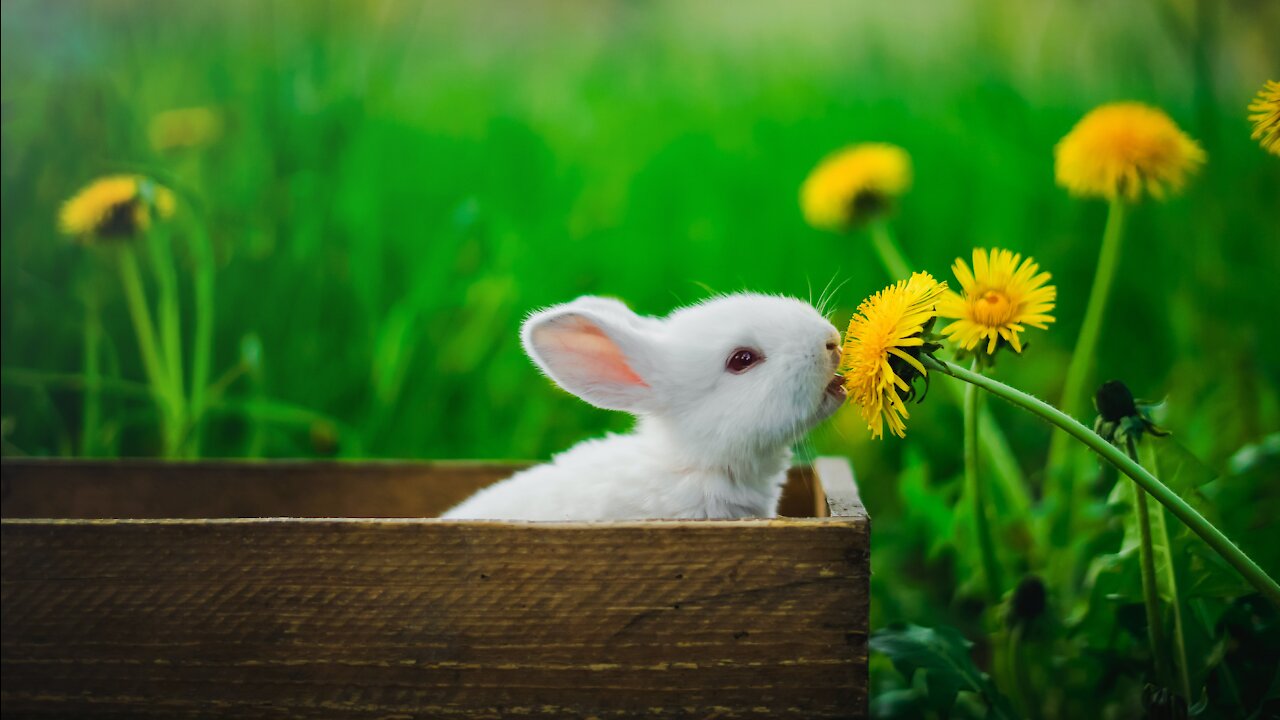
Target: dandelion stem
{"points": [[1150, 591], [158, 240], [140, 314], [1167, 576], [202, 353], [1012, 483], [1255, 575], [1004, 465], [1086, 349], [887, 249], [978, 493], [1022, 688], [92, 418]]}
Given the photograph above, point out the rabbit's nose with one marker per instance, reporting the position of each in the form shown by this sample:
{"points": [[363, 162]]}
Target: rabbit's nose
{"points": [[833, 349]]}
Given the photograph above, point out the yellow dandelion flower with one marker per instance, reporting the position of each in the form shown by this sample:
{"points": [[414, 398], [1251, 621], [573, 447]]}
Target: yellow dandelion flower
{"points": [[1002, 295], [882, 348], [184, 128], [116, 206], [1266, 121], [1123, 150], [855, 185]]}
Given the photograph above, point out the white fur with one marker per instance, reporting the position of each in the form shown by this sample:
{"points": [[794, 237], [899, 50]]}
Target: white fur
{"points": [[708, 443]]}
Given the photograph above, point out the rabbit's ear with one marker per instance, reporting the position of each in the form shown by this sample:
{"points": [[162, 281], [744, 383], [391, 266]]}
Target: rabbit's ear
{"points": [[596, 349]]}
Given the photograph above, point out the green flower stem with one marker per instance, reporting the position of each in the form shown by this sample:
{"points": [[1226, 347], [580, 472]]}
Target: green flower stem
{"points": [[140, 314], [202, 353], [1012, 483], [1161, 492], [158, 240], [1150, 591], [1003, 464], [1167, 577], [888, 250], [157, 377], [92, 417], [1022, 689], [257, 440], [978, 493], [1086, 348]]}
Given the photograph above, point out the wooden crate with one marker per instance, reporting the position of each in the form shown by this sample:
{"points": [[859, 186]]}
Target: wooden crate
{"points": [[299, 589]]}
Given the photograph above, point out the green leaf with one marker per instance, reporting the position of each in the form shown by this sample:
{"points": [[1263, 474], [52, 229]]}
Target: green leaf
{"points": [[942, 654], [1207, 574], [393, 350], [1183, 472], [72, 381], [1111, 582], [903, 704]]}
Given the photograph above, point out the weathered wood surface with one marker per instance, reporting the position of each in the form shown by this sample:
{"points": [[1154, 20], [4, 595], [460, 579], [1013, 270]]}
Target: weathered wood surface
{"points": [[836, 488], [239, 489], [427, 618], [245, 489]]}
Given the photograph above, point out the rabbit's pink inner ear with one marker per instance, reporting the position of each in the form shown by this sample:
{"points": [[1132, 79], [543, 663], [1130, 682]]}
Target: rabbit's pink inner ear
{"points": [[594, 355]]}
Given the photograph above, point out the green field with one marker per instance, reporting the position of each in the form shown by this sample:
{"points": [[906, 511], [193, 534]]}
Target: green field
{"points": [[397, 184]]}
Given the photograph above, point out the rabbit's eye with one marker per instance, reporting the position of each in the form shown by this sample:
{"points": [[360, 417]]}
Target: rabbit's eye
{"points": [[742, 359]]}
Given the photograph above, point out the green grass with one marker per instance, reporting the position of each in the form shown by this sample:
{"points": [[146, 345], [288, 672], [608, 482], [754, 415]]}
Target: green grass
{"points": [[399, 184]]}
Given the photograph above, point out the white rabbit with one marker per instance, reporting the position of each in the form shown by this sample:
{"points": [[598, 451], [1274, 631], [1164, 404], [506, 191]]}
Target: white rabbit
{"points": [[720, 389]]}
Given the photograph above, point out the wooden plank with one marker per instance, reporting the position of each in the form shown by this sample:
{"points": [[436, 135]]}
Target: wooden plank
{"points": [[241, 489], [406, 618], [837, 484], [798, 495], [232, 488]]}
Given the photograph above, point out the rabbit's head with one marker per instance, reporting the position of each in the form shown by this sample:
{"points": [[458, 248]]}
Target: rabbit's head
{"points": [[735, 374]]}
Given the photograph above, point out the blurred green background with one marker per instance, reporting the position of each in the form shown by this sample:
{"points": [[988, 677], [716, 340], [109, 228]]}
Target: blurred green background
{"points": [[397, 184]]}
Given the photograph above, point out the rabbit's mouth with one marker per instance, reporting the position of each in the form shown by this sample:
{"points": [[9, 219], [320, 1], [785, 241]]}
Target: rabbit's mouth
{"points": [[833, 396]]}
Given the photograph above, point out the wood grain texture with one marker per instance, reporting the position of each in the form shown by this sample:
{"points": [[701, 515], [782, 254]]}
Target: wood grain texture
{"points": [[365, 618], [239, 488], [272, 488], [838, 487]]}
